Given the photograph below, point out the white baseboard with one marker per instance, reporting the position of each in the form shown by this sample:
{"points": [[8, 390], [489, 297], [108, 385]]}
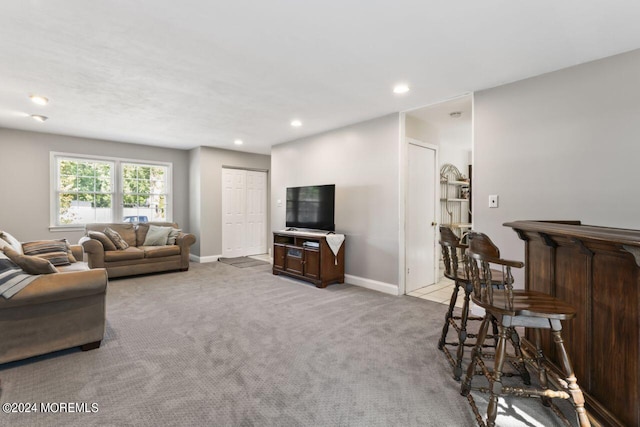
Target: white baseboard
{"points": [[374, 285], [203, 259]]}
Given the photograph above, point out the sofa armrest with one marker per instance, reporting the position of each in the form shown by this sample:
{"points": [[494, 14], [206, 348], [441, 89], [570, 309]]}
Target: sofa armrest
{"points": [[78, 252], [185, 240], [59, 286], [94, 250]]}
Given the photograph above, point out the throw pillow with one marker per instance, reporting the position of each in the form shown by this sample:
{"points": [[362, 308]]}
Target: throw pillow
{"points": [[72, 258], [53, 250], [30, 264], [13, 242], [173, 235], [102, 238], [116, 238], [157, 236]]}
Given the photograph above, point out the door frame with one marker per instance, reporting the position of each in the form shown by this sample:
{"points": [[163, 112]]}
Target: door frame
{"points": [[404, 179], [266, 204]]}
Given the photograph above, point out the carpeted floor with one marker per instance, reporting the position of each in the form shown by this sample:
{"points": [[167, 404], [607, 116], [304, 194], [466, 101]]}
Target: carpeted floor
{"points": [[223, 346]]}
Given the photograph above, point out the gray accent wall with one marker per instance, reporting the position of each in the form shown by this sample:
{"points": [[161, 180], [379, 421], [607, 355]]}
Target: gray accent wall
{"points": [[362, 160], [205, 186], [564, 145], [25, 182]]}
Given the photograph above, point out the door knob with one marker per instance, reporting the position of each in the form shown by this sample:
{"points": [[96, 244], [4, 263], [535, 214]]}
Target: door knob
{"points": [[433, 224]]}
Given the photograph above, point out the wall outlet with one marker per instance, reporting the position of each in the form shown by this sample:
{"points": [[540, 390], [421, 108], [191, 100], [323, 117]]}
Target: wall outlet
{"points": [[493, 201]]}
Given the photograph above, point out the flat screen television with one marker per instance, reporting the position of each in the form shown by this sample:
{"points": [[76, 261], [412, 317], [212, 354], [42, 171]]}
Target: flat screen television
{"points": [[311, 207]]}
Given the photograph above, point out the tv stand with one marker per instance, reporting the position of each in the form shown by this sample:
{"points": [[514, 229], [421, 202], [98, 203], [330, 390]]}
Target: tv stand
{"points": [[307, 256]]}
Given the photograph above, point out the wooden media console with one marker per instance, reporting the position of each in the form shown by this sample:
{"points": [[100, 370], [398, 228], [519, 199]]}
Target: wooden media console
{"points": [[307, 256]]}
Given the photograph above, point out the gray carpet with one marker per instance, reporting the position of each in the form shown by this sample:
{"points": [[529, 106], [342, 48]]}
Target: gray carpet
{"points": [[222, 346], [242, 262]]}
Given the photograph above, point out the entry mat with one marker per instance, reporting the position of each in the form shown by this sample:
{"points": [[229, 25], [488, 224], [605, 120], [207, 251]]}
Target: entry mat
{"points": [[242, 261]]}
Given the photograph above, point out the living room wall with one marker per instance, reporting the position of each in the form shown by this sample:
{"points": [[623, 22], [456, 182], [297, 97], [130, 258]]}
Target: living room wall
{"points": [[25, 182], [362, 160], [563, 145], [205, 186]]}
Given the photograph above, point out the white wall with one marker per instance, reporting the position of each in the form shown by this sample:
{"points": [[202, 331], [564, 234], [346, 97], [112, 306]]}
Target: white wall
{"points": [[564, 145], [25, 178], [205, 177], [362, 160]]}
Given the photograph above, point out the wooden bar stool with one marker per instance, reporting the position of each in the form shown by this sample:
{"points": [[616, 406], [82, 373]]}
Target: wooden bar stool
{"points": [[454, 258], [510, 308], [453, 253]]}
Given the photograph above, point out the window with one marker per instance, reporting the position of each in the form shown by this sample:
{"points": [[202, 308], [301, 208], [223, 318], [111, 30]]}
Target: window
{"points": [[84, 191], [88, 190], [144, 192]]}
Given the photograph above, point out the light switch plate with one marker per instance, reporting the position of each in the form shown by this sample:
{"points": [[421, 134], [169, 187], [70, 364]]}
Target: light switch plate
{"points": [[493, 201]]}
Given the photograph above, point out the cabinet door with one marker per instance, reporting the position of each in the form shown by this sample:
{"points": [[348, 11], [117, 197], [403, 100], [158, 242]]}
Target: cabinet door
{"points": [[294, 260], [279, 252], [312, 263]]}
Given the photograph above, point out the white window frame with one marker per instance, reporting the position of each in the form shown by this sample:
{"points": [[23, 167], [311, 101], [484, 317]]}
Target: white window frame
{"points": [[117, 203]]}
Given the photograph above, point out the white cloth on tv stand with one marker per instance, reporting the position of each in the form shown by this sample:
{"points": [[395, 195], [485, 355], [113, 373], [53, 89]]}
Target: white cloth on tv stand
{"points": [[335, 242]]}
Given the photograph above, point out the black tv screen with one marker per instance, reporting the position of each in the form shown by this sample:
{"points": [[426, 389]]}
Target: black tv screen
{"points": [[311, 207]]}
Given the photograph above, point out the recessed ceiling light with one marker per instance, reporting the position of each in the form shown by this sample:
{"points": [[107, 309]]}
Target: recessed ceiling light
{"points": [[40, 100], [238, 142], [401, 88], [296, 123], [39, 118]]}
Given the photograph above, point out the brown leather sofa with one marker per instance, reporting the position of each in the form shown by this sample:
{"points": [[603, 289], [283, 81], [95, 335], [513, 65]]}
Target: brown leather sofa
{"points": [[54, 312], [137, 259]]}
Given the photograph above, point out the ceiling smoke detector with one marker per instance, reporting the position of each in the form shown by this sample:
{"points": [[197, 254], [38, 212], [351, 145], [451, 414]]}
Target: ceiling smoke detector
{"points": [[456, 114]]}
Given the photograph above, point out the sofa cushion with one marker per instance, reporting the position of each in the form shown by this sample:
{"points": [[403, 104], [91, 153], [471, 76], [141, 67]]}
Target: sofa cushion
{"points": [[116, 238], [160, 251], [12, 241], [107, 244], [56, 251], [30, 264], [76, 266], [123, 255], [157, 236]]}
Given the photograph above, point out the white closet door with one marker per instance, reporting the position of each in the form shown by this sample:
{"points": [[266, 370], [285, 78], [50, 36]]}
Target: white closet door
{"points": [[233, 212], [256, 229], [244, 212]]}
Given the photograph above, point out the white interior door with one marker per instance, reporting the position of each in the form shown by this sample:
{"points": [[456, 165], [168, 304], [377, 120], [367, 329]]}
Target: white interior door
{"points": [[421, 260], [256, 220], [244, 212]]}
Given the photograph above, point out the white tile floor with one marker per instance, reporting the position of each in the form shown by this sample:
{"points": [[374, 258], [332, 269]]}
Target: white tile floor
{"points": [[439, 292]]}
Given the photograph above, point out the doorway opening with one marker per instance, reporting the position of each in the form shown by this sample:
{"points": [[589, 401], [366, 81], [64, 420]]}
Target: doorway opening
{"points": [[447, 126]]}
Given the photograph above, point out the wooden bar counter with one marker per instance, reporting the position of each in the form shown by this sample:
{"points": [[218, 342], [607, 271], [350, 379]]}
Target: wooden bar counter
{"points": [[596, 269]]}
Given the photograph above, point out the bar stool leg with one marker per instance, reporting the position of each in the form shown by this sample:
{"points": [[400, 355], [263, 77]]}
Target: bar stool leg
{"points": [[448, 316], [495, 388], [542, 370], [521, 365], [476, 354], [574, 389], [462, 336]]}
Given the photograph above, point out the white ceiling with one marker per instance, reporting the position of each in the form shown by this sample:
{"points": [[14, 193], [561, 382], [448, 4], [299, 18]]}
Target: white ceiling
{"points": [[201, 72]]}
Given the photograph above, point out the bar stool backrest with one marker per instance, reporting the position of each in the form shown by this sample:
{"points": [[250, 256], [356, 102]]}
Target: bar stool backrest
{"points": [[453, 253], [483, 263]]}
